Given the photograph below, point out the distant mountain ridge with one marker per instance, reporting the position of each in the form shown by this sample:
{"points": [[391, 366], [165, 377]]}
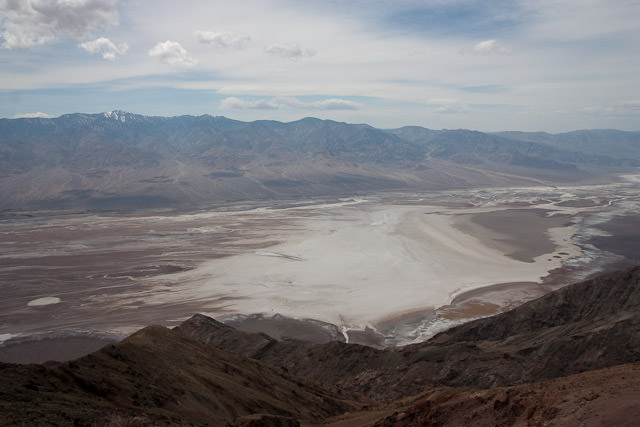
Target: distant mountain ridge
{"points": [[119, 159]]}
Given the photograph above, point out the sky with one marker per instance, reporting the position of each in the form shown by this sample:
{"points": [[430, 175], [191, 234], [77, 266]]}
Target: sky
{"points": [[489, 65]]}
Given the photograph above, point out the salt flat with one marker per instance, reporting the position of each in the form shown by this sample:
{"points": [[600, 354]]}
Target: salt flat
{"points": [[353, 266]]}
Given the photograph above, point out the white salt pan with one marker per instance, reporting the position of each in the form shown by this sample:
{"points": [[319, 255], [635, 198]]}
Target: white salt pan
{"points": [[352, 266], [43, 301]]}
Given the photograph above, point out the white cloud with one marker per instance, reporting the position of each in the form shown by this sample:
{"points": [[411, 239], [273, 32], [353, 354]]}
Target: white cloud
{"points": [[623, 108], [32, 116], [448, 105], [291, 51], [29, 23], [105, 47], [172, 53], [335, 104], [232, 103], [283, 102], [489, 46], [236, 41], [580, 20]]}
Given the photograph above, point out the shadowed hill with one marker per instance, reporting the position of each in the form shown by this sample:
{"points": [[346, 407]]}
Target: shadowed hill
{"points": [[589, 325], [605, 397], [163, 376]]}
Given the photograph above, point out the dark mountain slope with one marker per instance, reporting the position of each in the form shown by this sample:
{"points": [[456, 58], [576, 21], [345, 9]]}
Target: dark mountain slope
{"points": [[608, 298], [606, 397], [161, 375], [589, 325], [356, 368], [586, 326]]}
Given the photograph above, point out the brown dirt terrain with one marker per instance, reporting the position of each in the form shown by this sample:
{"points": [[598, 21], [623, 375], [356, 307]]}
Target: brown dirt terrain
{"points": [[605, 397]]}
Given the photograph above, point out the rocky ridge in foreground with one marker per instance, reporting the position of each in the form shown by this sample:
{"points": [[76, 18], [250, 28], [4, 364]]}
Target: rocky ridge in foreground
{"points": [[570, 357]]}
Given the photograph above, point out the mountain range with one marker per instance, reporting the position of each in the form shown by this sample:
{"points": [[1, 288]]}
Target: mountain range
{"points": [[571, 357], [119, 160]]}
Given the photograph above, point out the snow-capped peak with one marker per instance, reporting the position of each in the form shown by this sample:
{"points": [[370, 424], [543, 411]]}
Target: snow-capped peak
{"points": [[118, 115]]}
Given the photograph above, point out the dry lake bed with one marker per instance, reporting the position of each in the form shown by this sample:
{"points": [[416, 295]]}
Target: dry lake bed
{"points": [[381, 269]]}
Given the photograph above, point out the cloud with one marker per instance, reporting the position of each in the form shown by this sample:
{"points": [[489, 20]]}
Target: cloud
{"points": [[172, 53], [233, 103], [105, 47], [335, 104], [448, 105], [489, 46], [291, 51], [484, 89], [28, 23], [226, 40], [623, 108], [283, 102], [32, 116]]}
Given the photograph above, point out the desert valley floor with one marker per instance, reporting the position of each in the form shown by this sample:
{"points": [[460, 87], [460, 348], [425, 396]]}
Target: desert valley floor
{"points": [[381, 269]]}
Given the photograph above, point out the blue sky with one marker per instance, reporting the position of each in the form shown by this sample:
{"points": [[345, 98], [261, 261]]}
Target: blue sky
{"points": [[488, 65]]}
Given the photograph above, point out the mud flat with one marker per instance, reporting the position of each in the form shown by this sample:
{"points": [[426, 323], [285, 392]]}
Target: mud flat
{"points": [[384, 269], [51, 349], [522, 234], [621, 236]]}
